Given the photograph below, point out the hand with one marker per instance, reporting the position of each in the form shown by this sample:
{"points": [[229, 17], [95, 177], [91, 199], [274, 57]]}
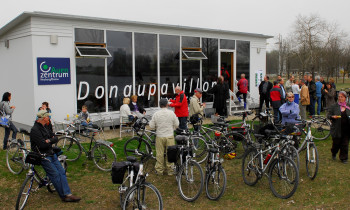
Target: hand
{"points": [[47, 141], [326, 91], [204, 105], [144, 112], [13, 107]]}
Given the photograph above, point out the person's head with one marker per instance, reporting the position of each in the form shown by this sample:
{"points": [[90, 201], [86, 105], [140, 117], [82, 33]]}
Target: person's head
{"points": [[291, 78], [276, 82], [163, 103], [302, 81], [290, 97], [295, 81], [198, 92], [305, 77], [331, 80], [317, 78], [134, 98], [279, 77], [43, 117], [44, 105], [310, 78], [266, 78], [281, 81], [6, 96], [342, 96], [321, 79], [126, 101], [84, 108], [328, 85], [242, 76], [220, 79], [177, 89]]}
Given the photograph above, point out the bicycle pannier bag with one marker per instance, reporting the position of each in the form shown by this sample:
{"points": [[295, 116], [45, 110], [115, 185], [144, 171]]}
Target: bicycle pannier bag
{"points": [[172, 153], [33, 158], [118, 171]]}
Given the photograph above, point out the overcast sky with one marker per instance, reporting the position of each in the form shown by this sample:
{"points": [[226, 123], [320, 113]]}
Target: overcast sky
{"points": [[269, 17]]}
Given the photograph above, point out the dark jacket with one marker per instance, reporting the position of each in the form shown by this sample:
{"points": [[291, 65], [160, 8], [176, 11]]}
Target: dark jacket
{"points": [[38, 136], [312, 90], [180, 104], [140, 107], [221, 94], [336, 123], [276, 96], [269, 87]]}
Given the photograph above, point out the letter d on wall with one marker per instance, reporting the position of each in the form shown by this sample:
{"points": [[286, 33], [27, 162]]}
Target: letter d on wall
{"points": [[87, 90]]}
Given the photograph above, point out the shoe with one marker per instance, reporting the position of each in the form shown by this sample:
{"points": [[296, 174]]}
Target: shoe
{"points": [[344, 161], [71, 198], [334, 157]]}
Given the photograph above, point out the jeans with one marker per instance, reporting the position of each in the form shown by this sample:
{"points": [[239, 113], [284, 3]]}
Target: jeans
{"points": [[312, 106], [183, 123], [319, 105], [57, 175], [276, 114], [7, 133]]}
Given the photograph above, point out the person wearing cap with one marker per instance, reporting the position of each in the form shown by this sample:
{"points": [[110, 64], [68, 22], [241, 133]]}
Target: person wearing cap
{"points": [[42, 139], [181, 107], [164, 122], [221, 93], [196, 107], [339, 114]]}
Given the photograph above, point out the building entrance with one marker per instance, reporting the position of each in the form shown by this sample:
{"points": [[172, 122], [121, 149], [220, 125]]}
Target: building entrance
{"points": [[227, 68]]}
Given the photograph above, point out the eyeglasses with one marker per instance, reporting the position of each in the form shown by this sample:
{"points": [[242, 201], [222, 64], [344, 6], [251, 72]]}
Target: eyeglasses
{"points": [[290, 97]]}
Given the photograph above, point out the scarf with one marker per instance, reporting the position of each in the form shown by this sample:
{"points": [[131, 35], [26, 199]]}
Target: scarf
{"points": [[343, 104]]}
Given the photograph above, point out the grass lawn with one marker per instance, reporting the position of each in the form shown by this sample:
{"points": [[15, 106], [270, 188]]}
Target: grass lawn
{"points": [[340, 85], [330, 189]]}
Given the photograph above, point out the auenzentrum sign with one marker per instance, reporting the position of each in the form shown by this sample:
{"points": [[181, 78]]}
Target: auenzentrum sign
{"points": [[53, 71]]}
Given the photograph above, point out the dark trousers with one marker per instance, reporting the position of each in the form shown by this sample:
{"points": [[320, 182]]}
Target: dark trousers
{"points": [[276, 115], [312, 106], [7, 133], [323, 99], [244, 96], [264, 98], [57, 175], [341, 144], [182, 123]]}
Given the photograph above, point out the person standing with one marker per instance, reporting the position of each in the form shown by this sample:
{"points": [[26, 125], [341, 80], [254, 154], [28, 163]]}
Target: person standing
{"points": [[276, 100], [319, 87], [304, 99], [164, 122], [264, 92], [242, 89], [312, 93], [306, 79], [323, 98], [289, 84], [296, 91], [45, 106], [289, 110], [281, 83], [329, 95], [41, 140], [8, 110], [339, 114], [221, 94], [181, 107], [196, 107]]}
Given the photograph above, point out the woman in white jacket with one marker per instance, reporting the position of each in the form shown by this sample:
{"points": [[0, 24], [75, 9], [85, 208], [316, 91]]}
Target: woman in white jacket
{"points": [[296, 91], [125, 111]]}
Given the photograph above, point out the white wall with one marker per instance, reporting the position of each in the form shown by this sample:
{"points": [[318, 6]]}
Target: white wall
{"points": [[257, 62], [61, 98]]}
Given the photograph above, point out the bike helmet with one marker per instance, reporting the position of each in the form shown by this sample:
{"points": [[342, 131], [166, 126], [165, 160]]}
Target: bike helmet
{"points": [[230, 156]]}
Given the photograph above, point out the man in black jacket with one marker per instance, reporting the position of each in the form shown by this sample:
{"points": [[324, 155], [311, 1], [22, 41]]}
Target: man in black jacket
{"points": [[42, 139], [312, 92], [264, 92]]}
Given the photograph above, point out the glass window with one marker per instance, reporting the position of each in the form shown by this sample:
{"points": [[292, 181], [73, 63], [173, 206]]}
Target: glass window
{"points": [[190, 76], [169, 64], [209, 66], [194, 55], [91, 84], [146, 69], [119, 68], [89, 35], [243, 59], [227, 44], [92, 51], [188, 41]]}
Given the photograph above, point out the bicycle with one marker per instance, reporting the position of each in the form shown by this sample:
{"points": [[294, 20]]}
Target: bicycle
{"points": [[215, 181], [135, 192], [321, 127], [34, 181], [188, 173], [15, 155], [281, 171], [100, 151], [143, 142]]}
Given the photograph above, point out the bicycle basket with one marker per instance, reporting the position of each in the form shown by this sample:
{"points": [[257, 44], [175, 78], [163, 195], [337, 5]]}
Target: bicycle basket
{"points": [[172, 153], [194, 119], [118, 171], [33, 158]]}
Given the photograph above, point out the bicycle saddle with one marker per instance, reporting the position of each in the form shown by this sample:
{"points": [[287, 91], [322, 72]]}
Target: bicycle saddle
{"points": [[131, 159], [213, 150], [181, 139], [270, 132]]}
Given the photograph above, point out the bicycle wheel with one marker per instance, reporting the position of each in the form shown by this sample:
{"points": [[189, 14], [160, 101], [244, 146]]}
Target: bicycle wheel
{"points": [[250, 164], [190, 180], [14, 158], [103, 156], [321, 129], [293, 154], [200, 148], [144, 196], [215, 183], [136, 147], [283, 177], [239, 142], [70, 148], [311, 161], [24, 192]]}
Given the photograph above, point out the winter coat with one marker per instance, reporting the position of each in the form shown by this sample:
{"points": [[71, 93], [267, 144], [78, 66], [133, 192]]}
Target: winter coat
{"points": [[180, 104], [269, 87], [221, 94], [336, 131], [330, 97], [304, 96], [276, 96]]}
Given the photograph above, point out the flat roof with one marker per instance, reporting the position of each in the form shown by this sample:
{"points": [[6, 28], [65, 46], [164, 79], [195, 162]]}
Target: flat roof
{"points": [[26, 15]]}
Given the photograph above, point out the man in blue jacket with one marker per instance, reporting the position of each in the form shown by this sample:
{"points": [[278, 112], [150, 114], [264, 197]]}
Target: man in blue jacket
{"points": [[319, 87]]}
